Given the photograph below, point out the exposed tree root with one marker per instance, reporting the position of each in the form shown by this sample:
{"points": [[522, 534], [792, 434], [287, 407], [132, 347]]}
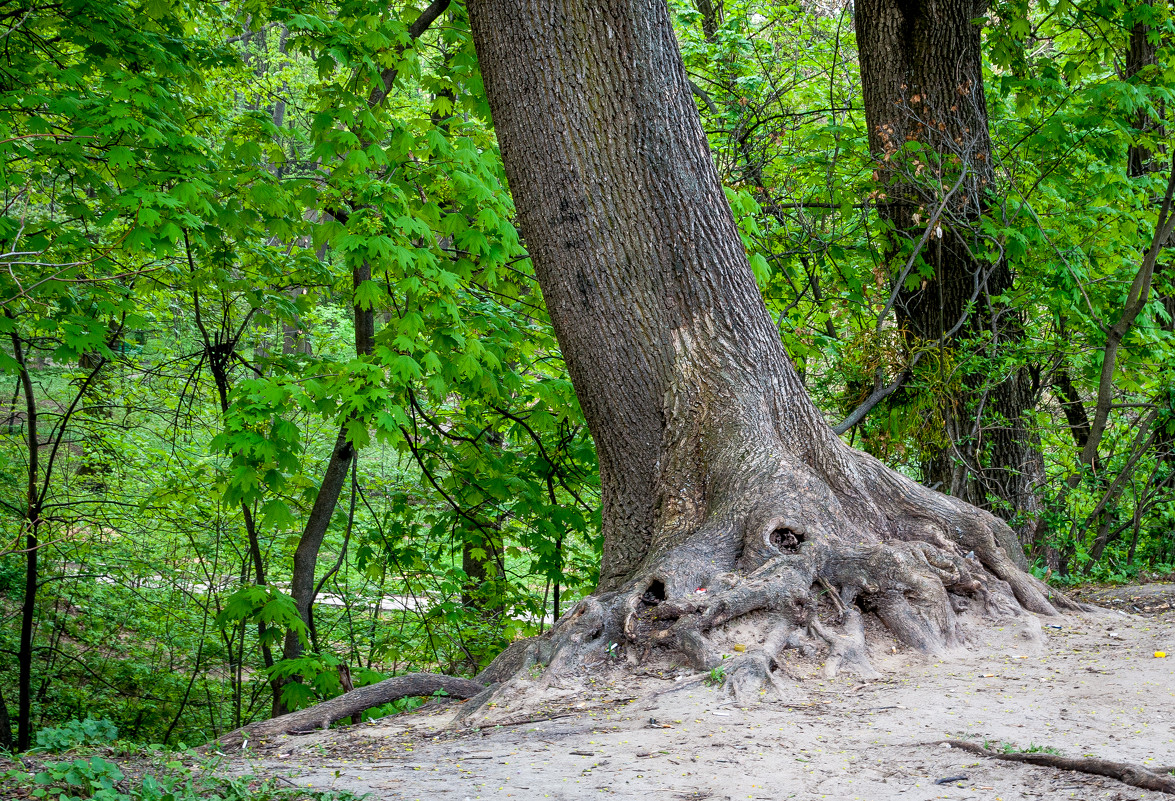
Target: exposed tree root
{"points": [[1134, 775], [321, 716], [811, 585], [811, 554]]}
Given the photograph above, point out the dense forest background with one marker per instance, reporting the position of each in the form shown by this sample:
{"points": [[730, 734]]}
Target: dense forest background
{"points": [[282, 408]]}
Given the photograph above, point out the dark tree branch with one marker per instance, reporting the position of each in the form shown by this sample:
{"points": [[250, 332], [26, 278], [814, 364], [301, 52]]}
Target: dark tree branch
{"points": [[876, 397], [1134, 775], [1073, 408], [415, 31], [320, 716], [704, 96]]}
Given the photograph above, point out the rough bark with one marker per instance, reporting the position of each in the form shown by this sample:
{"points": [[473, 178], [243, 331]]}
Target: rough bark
{"points": [[922, 80], [724, 491], [711, 11], [353, 703]]}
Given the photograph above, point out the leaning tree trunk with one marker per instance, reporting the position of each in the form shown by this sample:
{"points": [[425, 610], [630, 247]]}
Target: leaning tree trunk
{"points": [[724, 491], [922, 80]]}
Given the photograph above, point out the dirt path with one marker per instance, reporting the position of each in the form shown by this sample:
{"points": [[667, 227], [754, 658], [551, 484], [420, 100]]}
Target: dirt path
{"points": [[1091, 687]]}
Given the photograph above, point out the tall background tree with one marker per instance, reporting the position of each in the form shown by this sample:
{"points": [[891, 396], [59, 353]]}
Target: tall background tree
{"points": [[927, 118]]}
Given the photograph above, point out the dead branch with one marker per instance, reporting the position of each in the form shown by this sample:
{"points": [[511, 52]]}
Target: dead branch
{"points": [[359, 700], [1134, 775]]}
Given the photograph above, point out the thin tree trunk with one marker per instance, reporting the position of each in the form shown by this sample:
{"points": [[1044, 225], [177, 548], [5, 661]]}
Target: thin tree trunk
{"points": [[302, 580], [302, 583], [31, 526], [303, 587], [306, 555]]}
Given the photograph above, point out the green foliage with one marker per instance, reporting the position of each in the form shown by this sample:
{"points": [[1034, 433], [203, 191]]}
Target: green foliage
{"points": [[779, 96], [190, 206], [94, 777], [199, 197], [273, 609], [75, 733]]}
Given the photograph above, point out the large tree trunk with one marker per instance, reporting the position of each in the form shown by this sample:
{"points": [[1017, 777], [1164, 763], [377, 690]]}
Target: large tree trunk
{"points": [[922, 80], [718, 473]]}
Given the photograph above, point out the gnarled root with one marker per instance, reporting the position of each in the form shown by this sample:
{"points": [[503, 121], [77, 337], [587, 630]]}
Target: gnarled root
{"points": [[847, 648]]}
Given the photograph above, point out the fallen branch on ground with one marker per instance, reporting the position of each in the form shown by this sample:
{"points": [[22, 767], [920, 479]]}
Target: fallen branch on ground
{"points": [[320, 716], [1134, 775]]}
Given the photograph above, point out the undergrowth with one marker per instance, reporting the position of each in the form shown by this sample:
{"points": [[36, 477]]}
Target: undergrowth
{"points": [[82, 760]]}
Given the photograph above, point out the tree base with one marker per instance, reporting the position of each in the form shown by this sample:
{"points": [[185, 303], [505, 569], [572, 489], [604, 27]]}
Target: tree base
{"points": [[833, 565], [755, 582]]}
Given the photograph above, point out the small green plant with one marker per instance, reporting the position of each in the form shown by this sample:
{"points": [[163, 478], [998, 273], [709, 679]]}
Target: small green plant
{"points": [[74, 734], [717, 676], [93, 778], [1031, 748]]}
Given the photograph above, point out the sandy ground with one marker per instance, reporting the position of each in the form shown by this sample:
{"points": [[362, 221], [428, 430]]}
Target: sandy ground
{"points": [[1085, 686]]}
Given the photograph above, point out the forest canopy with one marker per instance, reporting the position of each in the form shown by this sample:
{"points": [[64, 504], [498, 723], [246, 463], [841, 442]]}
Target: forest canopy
{"points": [[285, 411]]}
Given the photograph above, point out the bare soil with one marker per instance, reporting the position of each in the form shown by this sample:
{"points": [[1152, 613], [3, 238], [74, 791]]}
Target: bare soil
{"points": [[1083, 685]]}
